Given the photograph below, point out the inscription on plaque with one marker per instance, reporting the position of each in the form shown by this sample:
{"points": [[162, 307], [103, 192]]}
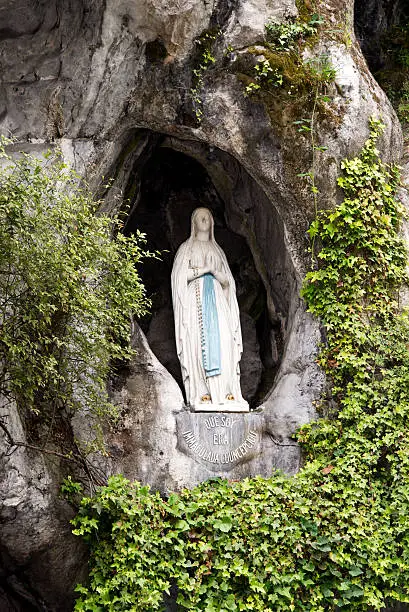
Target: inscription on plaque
{"points": [[213, 457], [220, 440]]}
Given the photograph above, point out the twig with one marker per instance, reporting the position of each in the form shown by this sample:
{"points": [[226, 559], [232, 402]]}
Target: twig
{"points": [[280, 443], [313, 186]]}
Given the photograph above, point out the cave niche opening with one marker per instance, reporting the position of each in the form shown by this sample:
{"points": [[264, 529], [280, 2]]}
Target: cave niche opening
{"points": [[163, 186]]}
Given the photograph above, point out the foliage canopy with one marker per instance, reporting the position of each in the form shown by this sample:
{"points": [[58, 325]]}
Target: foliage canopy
{"points": [[68, 285]]}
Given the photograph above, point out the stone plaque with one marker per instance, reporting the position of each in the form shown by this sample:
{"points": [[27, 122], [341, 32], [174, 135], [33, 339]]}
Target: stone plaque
{"points": [[219, 440]]}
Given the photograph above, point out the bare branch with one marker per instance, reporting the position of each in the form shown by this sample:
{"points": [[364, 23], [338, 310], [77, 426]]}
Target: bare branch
{"points": [[95, 475]]}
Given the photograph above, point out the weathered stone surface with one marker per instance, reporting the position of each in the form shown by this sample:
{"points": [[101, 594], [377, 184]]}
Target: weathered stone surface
{"points": [[248, 21], [35, 531], [109, 82], [143, 445]]}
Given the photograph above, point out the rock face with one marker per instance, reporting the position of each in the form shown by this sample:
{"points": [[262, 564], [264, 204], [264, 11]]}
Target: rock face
{"points": [[40, 558], [111, 84]]}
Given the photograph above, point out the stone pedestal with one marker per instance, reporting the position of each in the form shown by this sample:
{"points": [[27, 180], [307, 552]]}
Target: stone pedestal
{"points": [[218, 440]]}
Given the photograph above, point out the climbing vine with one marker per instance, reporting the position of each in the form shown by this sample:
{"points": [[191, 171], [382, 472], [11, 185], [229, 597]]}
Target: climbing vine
{"points": [[336, 535], [282, 65], [205, 46]]}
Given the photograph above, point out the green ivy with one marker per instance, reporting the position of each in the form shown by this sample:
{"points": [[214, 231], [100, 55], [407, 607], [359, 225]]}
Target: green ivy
{"points": [[289, 36], [336, 535]]}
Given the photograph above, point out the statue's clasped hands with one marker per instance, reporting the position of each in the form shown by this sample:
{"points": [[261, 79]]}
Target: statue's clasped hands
{"points": [[211, 264]]}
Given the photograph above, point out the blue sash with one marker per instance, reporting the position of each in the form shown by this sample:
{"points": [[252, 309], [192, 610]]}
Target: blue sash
{"points": [[211, 335]]}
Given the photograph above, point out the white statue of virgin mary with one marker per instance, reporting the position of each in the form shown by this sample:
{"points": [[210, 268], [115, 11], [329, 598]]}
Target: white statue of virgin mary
{"points": [[207, 323]]}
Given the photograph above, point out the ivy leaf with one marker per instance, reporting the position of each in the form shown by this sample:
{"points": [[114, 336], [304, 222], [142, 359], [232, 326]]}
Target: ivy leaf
{"points": [[182, 525], [355, 571], [224, 524], [314, 228]]}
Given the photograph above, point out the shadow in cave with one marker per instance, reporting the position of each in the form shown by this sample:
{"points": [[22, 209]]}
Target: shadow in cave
{"points": [[170, 186], [374, 21]]}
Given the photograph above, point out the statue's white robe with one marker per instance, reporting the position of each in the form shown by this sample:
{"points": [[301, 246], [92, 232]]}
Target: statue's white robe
{"points": [[187, 326]]}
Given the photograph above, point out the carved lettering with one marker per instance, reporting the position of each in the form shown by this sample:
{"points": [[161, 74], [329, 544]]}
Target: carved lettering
{"points": [[218, 439], [219, 421]]}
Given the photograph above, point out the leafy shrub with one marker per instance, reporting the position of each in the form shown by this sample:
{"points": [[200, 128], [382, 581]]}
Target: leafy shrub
{"points": [[68, 285]]}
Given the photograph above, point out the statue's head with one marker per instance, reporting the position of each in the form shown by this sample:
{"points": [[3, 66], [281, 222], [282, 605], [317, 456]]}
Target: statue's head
{"points": [[202, 221]]}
